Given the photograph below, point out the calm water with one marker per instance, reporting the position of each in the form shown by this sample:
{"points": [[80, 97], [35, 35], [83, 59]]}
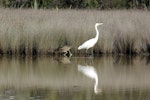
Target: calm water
{"points": [[75, 78]]}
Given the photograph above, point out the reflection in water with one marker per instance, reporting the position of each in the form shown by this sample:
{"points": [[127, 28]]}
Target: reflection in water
{"points": [[130, 60], [90, 71], [9, 93], [38, 94], [64, 60], [43, 78], [48, 73]]}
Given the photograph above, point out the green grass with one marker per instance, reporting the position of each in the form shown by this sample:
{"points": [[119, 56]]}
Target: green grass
{"points": [[32, 32]]}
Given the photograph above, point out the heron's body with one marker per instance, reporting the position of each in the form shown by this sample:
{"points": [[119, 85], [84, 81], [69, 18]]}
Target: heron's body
{"points": [[91, 42], [88, 44]]}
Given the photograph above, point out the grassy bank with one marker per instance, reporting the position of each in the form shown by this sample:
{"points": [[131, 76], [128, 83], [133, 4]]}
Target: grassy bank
{"points": [[39, 31]]}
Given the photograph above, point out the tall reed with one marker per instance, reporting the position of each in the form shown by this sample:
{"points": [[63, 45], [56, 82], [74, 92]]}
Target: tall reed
{"points": [[32, 32]]}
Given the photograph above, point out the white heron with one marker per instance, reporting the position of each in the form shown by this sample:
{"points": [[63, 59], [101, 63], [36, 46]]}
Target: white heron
{"points": [[91, 42], [90, 71]]}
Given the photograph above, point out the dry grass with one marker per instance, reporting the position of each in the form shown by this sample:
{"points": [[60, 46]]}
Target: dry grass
{"points": [[37, 31]]}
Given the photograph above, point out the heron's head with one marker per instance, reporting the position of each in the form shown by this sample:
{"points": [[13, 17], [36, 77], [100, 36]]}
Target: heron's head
{"points": [[97, 24]]}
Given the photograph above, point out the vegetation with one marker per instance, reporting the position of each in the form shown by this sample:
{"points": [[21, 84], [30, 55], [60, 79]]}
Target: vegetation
{"points": [[32, 32], [100, 4]]}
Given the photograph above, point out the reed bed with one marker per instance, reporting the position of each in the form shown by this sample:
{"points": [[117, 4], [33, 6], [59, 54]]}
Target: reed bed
{"points": [[32, 32]]}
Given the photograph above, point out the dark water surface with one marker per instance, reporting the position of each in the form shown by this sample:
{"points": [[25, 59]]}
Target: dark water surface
{"points": [[75, 78]]}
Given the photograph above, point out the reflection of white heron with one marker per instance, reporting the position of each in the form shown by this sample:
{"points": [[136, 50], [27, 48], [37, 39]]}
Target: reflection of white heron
{"points": [[91, 42], [90, 71]]}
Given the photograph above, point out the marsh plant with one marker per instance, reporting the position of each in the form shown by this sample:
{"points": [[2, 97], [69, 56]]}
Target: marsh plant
{"points": [[32, 32]]}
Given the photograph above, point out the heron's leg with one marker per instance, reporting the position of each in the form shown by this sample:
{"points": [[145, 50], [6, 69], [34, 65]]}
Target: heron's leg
{"points": [[86, 50], [92, 54]]}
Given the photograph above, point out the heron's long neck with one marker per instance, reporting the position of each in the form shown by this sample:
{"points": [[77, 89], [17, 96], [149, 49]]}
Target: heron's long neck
{"points": [[97, 33], [96, 85]]}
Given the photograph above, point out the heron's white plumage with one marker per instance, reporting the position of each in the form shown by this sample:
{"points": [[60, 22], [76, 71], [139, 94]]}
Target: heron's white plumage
{"points": [[88, 44], [91, 42]]}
